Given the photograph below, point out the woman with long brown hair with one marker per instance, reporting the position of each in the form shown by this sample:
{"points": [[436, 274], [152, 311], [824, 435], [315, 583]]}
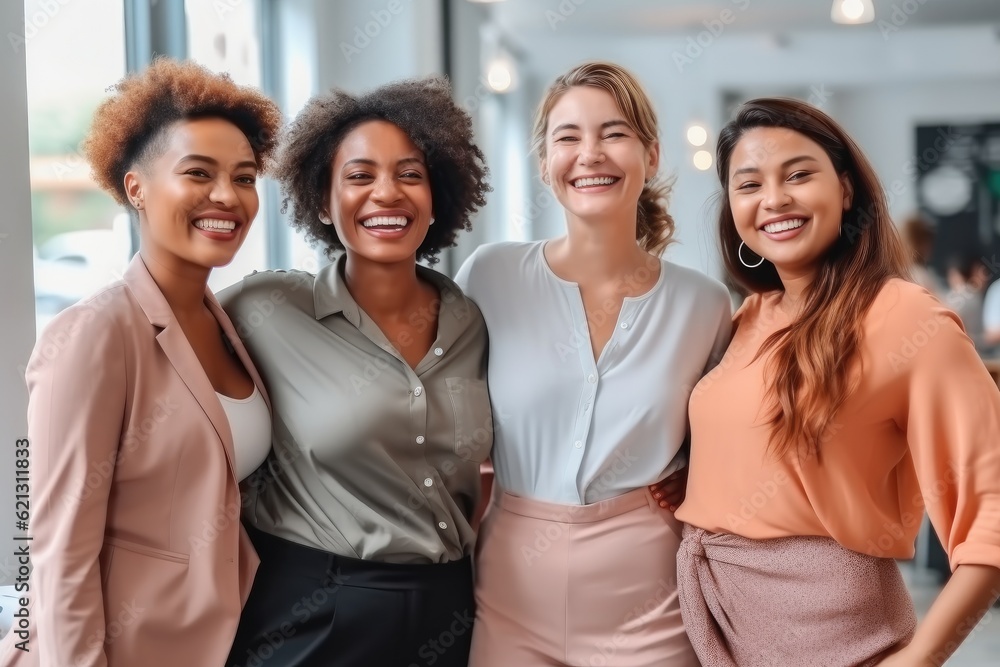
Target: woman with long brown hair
{"points": [[852, 400], [595, 342]]}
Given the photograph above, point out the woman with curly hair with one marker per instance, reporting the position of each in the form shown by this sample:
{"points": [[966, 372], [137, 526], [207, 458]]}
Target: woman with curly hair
{"points": [[849, 401], [145, 411], [595, 342], [376, 365]]}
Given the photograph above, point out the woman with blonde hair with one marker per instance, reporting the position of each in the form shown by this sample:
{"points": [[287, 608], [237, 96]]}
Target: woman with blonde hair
{"points": [[595, 342], [848, 401]]}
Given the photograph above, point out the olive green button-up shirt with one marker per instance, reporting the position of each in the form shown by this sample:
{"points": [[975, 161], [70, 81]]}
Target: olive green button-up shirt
{"points": [[370, 458]]}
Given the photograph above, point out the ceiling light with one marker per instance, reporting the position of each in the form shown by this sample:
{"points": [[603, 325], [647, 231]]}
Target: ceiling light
{"points": [[697, 135], [703, 160], [499, 76], [852, 12]]}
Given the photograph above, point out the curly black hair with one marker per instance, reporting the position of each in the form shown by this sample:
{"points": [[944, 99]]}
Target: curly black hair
{"points": [[426, 112], [129, 128]]}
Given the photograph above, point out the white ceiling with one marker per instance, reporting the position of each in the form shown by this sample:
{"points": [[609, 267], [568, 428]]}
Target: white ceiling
{"points": [[520, 18]]}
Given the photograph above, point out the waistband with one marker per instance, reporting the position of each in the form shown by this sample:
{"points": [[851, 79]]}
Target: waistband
{"points": [[332, 568], [558, 513], [821, 551]]}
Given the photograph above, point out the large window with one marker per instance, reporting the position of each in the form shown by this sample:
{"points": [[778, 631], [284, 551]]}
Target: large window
{"points": [[81, 237]]}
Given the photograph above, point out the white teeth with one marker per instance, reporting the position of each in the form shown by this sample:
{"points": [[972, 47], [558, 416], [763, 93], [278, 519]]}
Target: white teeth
{"points": [[784, 225], [585, 182], [385, 221], [215, 225]]}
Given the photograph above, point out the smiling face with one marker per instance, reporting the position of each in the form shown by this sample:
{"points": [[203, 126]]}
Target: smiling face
{"points": [[380, 194], [786, 198], [594, 161], [199, 196]]}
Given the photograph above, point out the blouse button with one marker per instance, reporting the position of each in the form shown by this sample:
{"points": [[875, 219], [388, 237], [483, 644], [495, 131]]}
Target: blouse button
{"points": [[591, 378], [438, 351], [442, 525], [418, 391], [420, 439], [428, 482], [578, 444], [624, 325]]}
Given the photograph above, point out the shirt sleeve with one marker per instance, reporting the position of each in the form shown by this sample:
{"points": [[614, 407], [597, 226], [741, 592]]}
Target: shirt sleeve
{"points": [[77, 393], [464, 276], [723, 334], [952, 424]]}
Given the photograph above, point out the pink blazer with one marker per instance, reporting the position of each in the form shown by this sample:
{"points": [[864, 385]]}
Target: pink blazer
{"points": [[138, 553]]}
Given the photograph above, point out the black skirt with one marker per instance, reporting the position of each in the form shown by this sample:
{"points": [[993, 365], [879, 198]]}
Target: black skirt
{"points": [[311, 608]]}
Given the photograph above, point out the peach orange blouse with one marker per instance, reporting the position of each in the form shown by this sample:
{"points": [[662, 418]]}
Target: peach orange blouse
{"points": [[922, 428]]}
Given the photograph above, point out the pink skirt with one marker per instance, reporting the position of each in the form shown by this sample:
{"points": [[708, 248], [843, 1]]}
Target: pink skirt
{"points": [[789, 601], [560, 585]]}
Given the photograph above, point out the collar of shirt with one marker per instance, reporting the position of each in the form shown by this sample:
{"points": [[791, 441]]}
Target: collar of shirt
{"points": [[456, 313]]}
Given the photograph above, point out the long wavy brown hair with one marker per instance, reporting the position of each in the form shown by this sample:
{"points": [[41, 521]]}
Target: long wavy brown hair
{"points": [[808, 377], [654, 225]]}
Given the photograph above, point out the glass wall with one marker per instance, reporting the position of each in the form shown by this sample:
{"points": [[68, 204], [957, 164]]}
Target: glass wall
{"points": [[81, 236]]}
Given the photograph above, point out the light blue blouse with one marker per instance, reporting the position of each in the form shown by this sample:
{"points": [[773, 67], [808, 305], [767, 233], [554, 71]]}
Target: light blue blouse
{"points": [[572, 430]]}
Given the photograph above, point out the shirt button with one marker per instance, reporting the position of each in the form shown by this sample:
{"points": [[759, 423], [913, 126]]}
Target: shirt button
{"points": [[418, 391], [591, 378], [578, 444], [624, 325], [420, 439], [428, 482], [438, 351], [442, 525]]}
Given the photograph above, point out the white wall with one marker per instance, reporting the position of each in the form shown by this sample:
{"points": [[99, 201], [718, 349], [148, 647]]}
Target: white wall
{"points": [[17, 293], [882, 119], [353, 45], [878, 86]]}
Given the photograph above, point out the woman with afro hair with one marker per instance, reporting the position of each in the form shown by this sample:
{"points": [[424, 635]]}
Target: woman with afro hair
{"points": [[145, 411], [363, 513]]}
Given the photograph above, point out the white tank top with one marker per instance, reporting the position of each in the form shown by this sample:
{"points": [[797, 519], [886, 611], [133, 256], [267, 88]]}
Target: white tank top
{"points": [[250, 423]]}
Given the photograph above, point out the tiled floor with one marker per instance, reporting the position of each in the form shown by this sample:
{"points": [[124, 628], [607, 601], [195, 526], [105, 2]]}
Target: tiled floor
{"points": [[982, 648]]}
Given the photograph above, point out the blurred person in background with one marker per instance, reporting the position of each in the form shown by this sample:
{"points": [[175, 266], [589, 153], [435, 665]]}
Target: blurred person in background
{"points": [[918, 236], [967, 280], [991, 318]]}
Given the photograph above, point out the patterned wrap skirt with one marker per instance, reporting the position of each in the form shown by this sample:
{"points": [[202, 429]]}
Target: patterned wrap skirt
{"points": [[789, 602]]}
